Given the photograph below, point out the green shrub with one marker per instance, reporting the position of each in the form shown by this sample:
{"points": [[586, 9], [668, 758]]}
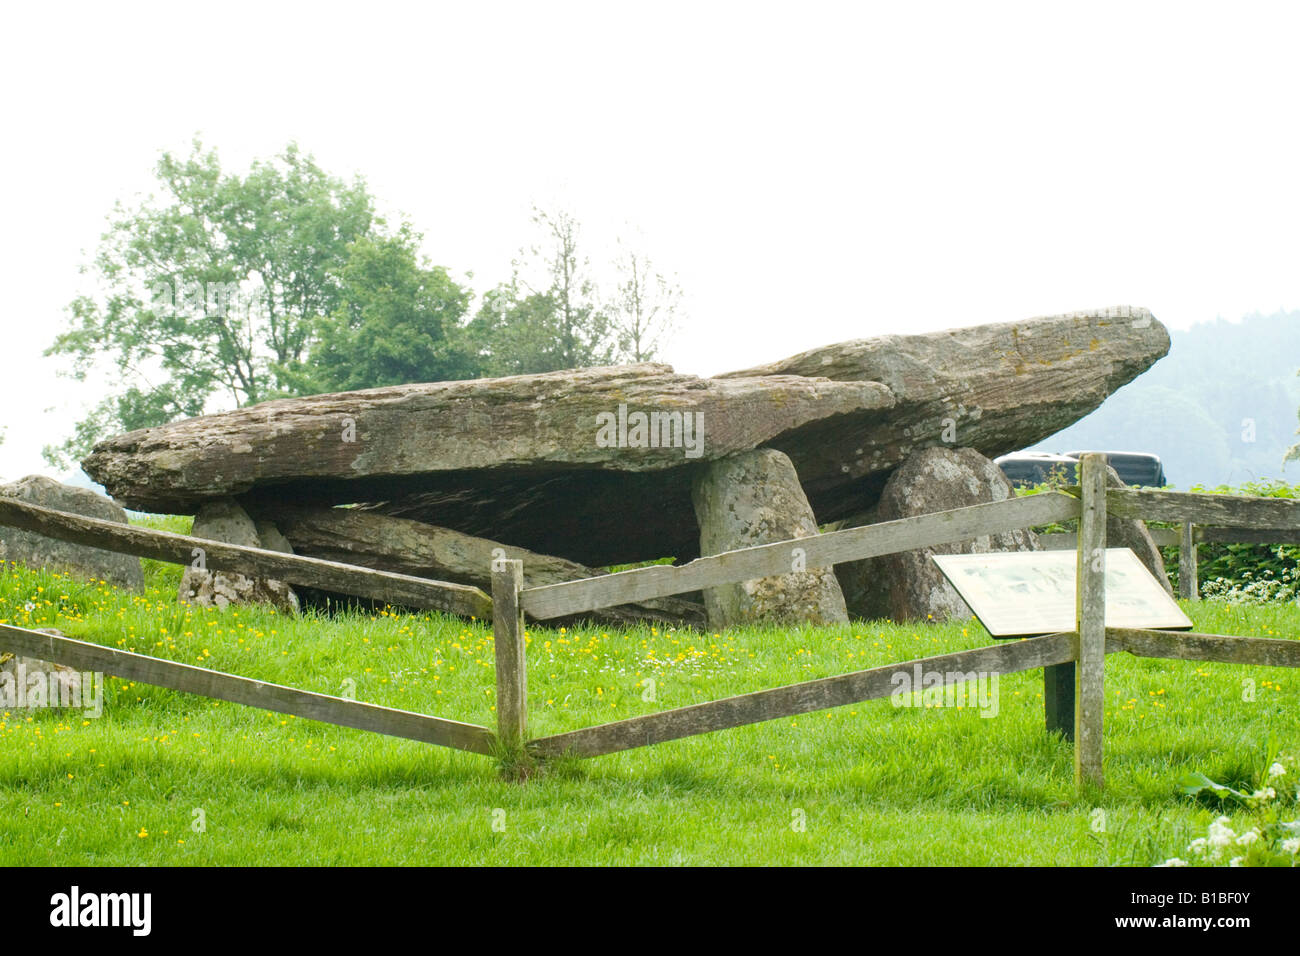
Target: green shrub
{"points": [[1245, 573]]}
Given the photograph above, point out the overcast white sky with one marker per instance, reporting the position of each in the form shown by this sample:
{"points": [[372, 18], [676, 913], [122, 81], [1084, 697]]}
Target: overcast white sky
{"points": [[812, 172]]}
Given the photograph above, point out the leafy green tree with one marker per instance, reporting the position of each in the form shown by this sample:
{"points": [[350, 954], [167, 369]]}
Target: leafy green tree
{"points": [[549, 316], [397, 321], [644, 310], [514, 333], [211, 292]]}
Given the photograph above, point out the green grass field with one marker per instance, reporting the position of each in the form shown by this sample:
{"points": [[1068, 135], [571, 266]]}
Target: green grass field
{"points": [[170, 779]]}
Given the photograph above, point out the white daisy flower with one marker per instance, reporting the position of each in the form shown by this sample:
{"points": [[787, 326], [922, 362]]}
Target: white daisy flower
{"points": [[1221, 834]]}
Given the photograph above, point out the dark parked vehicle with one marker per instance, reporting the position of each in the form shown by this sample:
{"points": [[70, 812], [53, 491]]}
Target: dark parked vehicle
{"points": [[1026, 468], [1034, 467], [1134, 467]]}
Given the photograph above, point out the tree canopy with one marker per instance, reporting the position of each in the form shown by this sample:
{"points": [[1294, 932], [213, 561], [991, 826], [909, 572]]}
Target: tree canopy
{"points": [[212, 290], [644, 310], [548, 316], [225, 290], [397, 321]]}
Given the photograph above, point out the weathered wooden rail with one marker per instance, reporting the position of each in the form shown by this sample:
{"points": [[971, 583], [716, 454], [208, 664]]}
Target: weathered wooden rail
{"points": [[1073, 663], [1204, 520], [1173, 537], [221, 556], [385, 586], [802, 698], [85, 656], [854, 544]]}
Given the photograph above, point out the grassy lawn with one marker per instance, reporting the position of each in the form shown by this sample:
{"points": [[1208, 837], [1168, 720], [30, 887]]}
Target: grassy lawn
{"points": [[870, 784]]}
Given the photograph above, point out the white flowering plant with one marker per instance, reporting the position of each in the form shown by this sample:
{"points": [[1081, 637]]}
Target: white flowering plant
{"points": [[1263, 588], [1271, 841]]}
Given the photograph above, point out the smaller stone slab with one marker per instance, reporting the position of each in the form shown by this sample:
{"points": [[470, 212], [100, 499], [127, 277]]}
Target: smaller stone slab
{"points": [[85, 563]]}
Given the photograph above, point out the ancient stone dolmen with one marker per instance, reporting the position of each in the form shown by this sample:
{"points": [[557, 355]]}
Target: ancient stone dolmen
{"points": [[586, 469]]}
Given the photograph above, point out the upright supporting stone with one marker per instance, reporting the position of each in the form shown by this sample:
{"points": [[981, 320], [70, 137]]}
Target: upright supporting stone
{"points": [[226, 520], [508, 635], [908, 585], [1132, 533], [1189, 588], [1090, 617], [755, 498]]}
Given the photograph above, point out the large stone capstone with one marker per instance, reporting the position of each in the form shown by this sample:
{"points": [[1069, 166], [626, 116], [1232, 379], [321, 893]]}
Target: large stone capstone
{"points": [[993, 388], [81, 561], [593, 465], [754, 498], [596, 465], [908, 586]]}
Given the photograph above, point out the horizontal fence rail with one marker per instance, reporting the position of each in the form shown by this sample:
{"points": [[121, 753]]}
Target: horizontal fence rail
{"points": [[1171, 538], [1223, 511], [853, 544], [1218, 648], [802, 698], [385, 586], [85, 656], [1231, 519], [829, 692]]}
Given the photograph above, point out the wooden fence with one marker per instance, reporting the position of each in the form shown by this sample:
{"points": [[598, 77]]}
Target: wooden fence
{"points": [[1185, 538], [1073, 662], [220, 556]]}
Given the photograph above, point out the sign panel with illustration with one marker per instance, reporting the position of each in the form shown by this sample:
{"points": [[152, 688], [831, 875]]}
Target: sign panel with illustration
{"points": [[1024, 593]]}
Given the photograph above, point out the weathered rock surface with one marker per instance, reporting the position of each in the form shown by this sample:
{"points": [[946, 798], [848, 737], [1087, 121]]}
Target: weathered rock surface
{"points": [[37, 551], [526, 459], [43, 684], [754, 498], [372, 540], [354, 446], [1132, 533], [517, 460], [909, 586], [994, 388], [224, 520]]}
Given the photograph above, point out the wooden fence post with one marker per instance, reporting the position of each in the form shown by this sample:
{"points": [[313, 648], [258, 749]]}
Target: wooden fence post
{"points": [[1090, 612], [508, 636], [1189, 588], [1058, 699]]}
